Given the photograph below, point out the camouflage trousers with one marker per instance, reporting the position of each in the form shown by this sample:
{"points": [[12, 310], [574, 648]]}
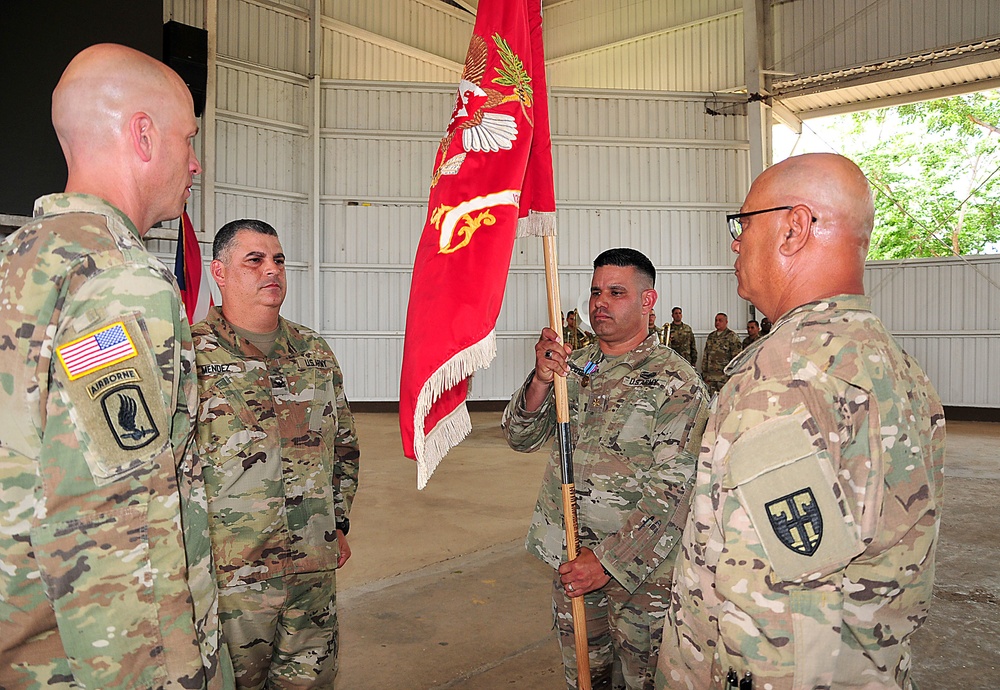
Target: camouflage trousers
{"points": [[282, 633], [624, 632], [714, 383]]}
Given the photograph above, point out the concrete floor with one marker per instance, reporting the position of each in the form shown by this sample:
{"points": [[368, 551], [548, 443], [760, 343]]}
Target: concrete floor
{"points": [[439, 592]]}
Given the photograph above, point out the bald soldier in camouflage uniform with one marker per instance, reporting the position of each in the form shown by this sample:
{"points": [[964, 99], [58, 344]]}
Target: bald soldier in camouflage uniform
{"points": [[720, 347], [281, 457], [808, 556], [681, 337], [637, 411], [99, 586]]}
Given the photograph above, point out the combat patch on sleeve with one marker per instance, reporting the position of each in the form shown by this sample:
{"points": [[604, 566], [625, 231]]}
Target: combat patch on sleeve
{"points": [[790, 492], [797, 521], [129, 418]]}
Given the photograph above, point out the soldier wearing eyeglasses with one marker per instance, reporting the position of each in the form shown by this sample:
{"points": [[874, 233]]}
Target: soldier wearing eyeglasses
{"points": [[807, 559]]}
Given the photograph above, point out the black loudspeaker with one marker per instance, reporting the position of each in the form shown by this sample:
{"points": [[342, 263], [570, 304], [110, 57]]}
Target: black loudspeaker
{"points": [[185, 50]]}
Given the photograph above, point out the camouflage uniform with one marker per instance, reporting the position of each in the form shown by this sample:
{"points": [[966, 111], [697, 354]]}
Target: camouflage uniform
{"points": [[281, 467], [635, 427], [682, 342], [720, 348], [750, 340], [575, 338], [808, 556], [99, 587]]}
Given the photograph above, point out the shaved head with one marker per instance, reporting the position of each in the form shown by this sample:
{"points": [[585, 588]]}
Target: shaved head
{"points": [[102, 86], [833, 187], [120, 116], [812, 239]]}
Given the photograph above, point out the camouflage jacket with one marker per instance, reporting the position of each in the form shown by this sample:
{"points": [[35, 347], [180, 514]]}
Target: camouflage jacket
{"points": [[720, 348], [575, 338], [280, 451], [808, 556], [682, 342], [635, 428], [99, 587], [750, 340]]}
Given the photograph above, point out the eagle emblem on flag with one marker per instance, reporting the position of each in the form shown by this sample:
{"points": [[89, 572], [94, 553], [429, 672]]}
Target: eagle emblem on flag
{"points": [[482, 128]]}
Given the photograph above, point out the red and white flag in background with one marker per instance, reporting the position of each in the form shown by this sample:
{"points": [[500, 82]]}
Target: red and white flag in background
{"points": [[192, 278], [492, 181]]}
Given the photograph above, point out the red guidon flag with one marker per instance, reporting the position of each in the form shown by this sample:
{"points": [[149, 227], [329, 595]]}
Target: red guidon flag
{"points": [[192, 279], [492, 180]]}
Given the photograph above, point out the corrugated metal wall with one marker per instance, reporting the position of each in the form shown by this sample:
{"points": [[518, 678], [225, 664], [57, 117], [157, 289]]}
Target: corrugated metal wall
{"points": [[642, 168], [814, 36], [662, 186], [946, 313], [689, 45]]}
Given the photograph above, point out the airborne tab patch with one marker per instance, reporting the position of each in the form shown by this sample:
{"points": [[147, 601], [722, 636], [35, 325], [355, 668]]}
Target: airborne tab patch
{"points": [[96, 351], [128, 417], [797, 521], [112, 379]]}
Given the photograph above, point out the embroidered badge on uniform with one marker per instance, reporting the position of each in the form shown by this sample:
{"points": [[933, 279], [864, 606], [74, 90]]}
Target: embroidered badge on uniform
{"points": [[129, 418], [797, 521], [95, 351]]}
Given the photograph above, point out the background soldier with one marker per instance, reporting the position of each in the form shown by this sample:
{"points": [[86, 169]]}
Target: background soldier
{"points": [[654, 329], [281, 458], [98, 586], [753, 333], [720, 347], [572, 335], [682, 337], [822, 464], [638, 411]]}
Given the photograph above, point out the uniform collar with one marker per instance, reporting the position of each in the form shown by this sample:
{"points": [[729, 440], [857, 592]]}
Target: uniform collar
{"points": [[287, 343], [839, 302], [851, 302], [53, 204], [634, 358]]}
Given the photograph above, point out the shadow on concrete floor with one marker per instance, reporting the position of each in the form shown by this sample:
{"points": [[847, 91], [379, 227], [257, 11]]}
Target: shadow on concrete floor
{"points": [[439, 592]]}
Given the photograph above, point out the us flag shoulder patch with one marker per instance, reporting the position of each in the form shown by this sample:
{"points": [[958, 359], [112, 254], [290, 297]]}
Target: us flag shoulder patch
{"points": [[95, 351]]}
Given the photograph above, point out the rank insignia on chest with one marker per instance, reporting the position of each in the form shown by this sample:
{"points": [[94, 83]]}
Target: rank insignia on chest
{"points": [[597, 403], [797, 521], [279, 386]]}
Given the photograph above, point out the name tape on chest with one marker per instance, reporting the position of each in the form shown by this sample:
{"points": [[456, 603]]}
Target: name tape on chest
{"points": [[216, 369]]}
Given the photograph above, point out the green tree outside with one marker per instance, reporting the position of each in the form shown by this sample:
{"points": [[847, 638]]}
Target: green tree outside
{"points": [[935, 169]]}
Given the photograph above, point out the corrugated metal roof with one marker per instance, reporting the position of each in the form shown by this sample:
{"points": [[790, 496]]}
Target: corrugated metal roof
{"points": [[957, 69]]}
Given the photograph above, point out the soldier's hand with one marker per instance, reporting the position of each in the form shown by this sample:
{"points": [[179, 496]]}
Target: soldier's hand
{"points": [[582, 575], [345, 549], [550, 356]]}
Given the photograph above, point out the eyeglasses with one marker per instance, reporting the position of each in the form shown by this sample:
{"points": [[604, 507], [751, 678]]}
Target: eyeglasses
{"points": [[735, 220]]}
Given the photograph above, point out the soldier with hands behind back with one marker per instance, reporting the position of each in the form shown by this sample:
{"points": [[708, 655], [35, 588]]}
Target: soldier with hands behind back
{"points": [[105, 568], [281, 467]]}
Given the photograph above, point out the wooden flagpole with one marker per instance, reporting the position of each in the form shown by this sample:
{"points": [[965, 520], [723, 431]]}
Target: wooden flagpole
{"points": [[566, 464]]}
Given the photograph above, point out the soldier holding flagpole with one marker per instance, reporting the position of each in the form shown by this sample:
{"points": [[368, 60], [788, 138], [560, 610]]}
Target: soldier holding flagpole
{"points": [[638, 411]]}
